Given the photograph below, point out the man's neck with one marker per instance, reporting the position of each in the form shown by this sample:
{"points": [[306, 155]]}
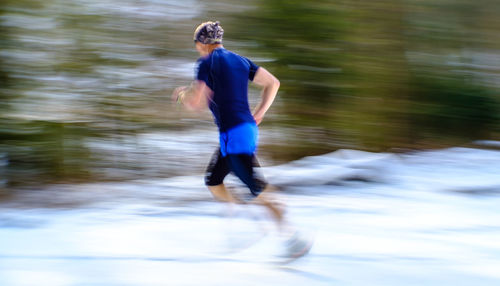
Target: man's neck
{"points": [[212, 47]]}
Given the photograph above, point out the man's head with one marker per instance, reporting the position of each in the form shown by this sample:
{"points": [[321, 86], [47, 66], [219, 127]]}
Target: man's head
{"points": [[209, 33], [207, 36]]}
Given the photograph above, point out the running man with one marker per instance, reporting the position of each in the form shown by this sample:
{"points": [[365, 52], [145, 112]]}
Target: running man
{"points": [[222, 84]]}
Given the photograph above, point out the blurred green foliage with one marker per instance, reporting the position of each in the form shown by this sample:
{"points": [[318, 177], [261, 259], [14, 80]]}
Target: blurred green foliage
{"points": [[42, 152], [451, 107], [380, 74], [372, 75]]}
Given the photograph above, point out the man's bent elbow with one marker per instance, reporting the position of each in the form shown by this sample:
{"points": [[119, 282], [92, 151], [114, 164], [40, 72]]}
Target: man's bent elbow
{"points": [[275, 83]]}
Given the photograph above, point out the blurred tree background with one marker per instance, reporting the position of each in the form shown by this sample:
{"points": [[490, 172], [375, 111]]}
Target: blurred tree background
{"points": [[83, 81], [385, 74]]}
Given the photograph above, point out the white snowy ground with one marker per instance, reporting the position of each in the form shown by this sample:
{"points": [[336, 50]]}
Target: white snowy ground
{"points": [[428, 218]]}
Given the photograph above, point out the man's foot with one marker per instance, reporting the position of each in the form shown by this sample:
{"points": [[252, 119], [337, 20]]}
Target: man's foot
{"points": [[297, 246]]}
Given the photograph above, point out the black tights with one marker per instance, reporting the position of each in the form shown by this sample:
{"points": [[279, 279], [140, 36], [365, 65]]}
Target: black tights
{"points": [[242, 166]]}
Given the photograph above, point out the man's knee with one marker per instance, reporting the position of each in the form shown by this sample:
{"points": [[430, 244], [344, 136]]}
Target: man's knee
{"points": [[220, 193], [211, 180]]}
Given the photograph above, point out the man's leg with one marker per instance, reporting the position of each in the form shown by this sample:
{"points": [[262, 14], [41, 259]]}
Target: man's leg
{"points": [[217, 170], [242, 166], [220, 193], [265, 199]]}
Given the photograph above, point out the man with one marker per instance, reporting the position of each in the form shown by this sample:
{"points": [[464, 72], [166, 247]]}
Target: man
{"points": [[222, 84]]}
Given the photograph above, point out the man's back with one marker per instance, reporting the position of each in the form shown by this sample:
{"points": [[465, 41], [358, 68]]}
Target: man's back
{"points": [[227, 75]]}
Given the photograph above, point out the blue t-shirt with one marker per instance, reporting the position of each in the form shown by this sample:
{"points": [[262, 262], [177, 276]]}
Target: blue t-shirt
{"points": [[227, 75]]}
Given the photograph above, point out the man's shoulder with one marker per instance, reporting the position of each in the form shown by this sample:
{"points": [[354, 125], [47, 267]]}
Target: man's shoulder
{"points": [[202, 60], [202, 64], [235, 57], [222, 52]]}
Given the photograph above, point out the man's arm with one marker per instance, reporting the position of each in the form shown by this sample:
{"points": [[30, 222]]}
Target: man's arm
{"points": [[194, 97], [270, 86]]}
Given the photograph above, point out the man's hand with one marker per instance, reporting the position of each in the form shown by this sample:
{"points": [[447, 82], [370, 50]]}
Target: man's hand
{"points": [[258, 119], [179, 94], [193, 97]]}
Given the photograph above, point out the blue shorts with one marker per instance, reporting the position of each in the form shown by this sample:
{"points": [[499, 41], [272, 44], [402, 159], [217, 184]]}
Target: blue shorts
{"points": [[241, 139]]}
